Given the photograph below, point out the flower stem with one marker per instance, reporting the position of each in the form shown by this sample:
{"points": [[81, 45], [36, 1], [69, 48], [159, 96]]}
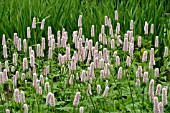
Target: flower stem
{"points": [[92, 102], [143, 98]]}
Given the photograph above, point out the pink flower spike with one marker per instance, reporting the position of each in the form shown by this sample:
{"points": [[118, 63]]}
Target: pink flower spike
{"points": [[34, 23]]}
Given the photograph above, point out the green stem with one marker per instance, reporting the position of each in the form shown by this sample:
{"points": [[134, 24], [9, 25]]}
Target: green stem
{"points": [[131, 93], [137, 95], [73, 109], [92, 102], [143, 98], [120, 93], [131, 97]]}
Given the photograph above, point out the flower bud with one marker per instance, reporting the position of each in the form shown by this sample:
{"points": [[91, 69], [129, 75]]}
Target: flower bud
{"points": [[146, 28], [43, 43], [49, 32], [140, 71], [100, 37], [82, 76], [73, 63], [25, 64], [156, 41], [25, 108], [96, 63], [92, 31], [152, 60], [47, 86], [138, 82], [145, 77], [115, 54], [120, 73], [118, 28], [17, 74], [81, 109], [80, 34], [158, 89], [112, 44], [52, 100], [131, 25], [106, 20], [3, 40], [116, 15], [166, 52], [42, 52], [34, 23], [42, 24], [164, 96], [42, 79], [23, 76], [34, 79], [80, 21], [98, 89], [14, 80], [156, 72], [101, 73], [50, 53], [111, 31], [139, 41], [102, 29], [48, 98], [152, 29], [15, 39], [6, 66], [145, 55], [32, 60], [105, 94], [12, 69], [38, 50], [125, 45], [119, 41], [128, 61], [58, 42], [16, 96], [156, 105], [22, 95], [34, 69], [151, 90], [5, 51], [161, 107], [19, 44], [117, 61], [71, 80], [7, 111], [104, 40], [76, 99], [28, 32], [25, 45], [1, 78], [89, 89], [5, 76], [68, 53]]}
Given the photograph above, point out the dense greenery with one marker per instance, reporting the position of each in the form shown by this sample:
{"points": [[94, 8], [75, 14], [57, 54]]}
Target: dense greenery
{"points": [[124, 95]]}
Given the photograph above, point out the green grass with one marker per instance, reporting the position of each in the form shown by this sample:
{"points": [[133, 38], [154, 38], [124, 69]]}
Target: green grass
{"points": [[16, 16]]}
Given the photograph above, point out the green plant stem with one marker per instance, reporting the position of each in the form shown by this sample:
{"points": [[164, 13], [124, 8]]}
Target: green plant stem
{"points": [[73, 109], [143, 98], [92, 102], [131, 95], [137, 95], [120, 93]]}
